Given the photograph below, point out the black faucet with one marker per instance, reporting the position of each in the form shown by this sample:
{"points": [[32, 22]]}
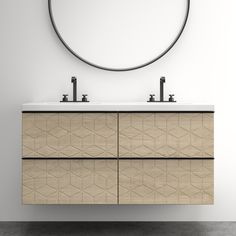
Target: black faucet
{"points": [[65, 96], [162, 81], [171, 98], [74, 81]]}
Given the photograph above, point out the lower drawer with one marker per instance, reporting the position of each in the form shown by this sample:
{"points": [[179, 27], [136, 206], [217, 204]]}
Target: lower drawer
{"points": [[166, 182], [69, 182]]}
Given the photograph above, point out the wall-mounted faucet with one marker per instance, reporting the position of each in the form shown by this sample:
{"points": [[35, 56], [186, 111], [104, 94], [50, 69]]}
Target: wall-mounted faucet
{"points": [[65, 96], [171, 98]]}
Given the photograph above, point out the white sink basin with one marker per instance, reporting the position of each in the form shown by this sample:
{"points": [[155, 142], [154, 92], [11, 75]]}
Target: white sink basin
{"points": [[113, 106]]}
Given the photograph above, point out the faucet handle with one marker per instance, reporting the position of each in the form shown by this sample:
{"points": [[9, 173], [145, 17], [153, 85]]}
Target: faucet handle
{"points": [[152, 99], [65, 98], [171, 98], [84, 98]]}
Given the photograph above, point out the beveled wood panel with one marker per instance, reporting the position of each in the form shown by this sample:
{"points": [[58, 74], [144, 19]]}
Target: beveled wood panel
{"points": [[166, 135], [166, 182], [69, 135], [69, 181]]}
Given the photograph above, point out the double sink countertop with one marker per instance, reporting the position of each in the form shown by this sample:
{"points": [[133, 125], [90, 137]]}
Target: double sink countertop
{"points": [[116, 107]]}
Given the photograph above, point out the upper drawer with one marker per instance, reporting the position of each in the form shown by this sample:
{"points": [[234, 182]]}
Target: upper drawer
{"points": [[69, 135], [166, 135]]}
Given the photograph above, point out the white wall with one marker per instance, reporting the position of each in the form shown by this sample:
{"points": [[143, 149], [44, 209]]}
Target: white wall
{"points": [[34, 66]]}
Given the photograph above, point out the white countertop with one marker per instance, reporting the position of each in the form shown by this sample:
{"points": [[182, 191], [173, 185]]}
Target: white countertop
{"points": [[123, 106]]}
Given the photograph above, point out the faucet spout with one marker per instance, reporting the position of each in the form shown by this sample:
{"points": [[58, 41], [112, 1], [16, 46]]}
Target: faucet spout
{"points": [[162, 81], [74, 81]]}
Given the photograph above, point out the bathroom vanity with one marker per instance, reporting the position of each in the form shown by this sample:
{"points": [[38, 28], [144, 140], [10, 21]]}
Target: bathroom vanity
{"points": [[117, 153]]}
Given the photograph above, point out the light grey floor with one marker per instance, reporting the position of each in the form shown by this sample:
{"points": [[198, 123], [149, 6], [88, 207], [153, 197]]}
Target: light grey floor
{"points": [[118, 228]]}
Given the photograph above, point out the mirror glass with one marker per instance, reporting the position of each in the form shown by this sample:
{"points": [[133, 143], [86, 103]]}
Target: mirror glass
{"points": [[119, 34]]}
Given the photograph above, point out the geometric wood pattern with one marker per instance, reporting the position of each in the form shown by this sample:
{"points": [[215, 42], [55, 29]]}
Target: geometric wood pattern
{"points": [[141, 135], [166, 182], [166, 135], [69, 181], [69, 135]]}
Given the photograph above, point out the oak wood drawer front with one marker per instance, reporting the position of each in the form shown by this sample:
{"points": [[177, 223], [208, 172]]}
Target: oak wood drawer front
{"points": [[69, 181], [69, 135], [166, 135], [166, 181]]}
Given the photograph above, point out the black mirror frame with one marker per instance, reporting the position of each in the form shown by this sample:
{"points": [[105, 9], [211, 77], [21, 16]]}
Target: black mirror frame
{"points": [[124, 69]]}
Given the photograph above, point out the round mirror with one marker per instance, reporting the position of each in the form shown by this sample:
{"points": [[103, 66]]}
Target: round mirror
{"points": [[119, 35]]}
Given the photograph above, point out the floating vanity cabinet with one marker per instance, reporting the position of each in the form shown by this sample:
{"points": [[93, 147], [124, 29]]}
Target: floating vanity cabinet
{"points": [[119, 156]]}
